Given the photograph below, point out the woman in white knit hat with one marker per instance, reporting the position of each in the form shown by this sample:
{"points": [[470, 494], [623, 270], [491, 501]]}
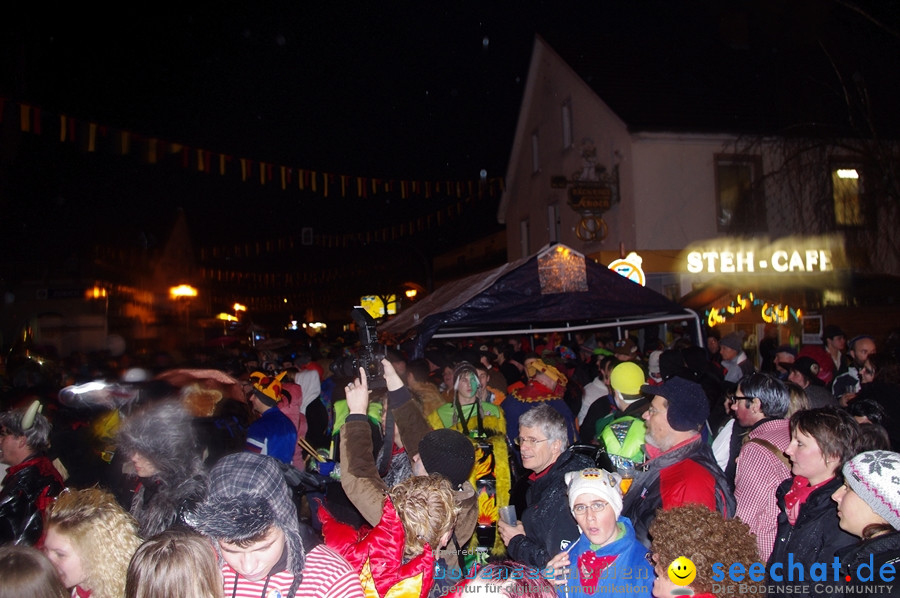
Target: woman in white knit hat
{"points": [[607, 559], [869, 507]]}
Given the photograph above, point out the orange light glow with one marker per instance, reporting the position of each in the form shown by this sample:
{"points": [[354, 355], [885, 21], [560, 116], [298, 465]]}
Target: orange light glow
{"points": [[182, 290]]}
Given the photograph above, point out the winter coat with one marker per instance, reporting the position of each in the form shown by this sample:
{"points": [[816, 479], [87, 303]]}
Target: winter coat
{"points": [[882, 550], [814, 538], [162, 433], [158, 506], [27, 489], [549, 524], [630, 568], [685, 474]]}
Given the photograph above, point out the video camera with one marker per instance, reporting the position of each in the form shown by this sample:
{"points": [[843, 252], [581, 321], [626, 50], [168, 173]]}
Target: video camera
{"points": [[369, 356]]}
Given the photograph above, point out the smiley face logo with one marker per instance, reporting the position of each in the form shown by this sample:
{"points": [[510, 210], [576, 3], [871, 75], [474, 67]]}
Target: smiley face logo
{"points": [[682, 571]]}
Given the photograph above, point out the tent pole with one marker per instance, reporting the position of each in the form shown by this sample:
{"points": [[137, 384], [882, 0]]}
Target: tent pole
{"points": [[617, 324]]}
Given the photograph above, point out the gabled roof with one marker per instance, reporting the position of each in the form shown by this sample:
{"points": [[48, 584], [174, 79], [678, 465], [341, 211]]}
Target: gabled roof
{"points": [[510, 299]]}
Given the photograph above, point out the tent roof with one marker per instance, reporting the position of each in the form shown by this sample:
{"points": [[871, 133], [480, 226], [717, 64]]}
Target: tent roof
{"points": [[509, 300]]}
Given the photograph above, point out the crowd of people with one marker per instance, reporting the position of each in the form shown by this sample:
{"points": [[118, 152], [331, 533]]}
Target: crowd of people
{"points": [[535, 466]]}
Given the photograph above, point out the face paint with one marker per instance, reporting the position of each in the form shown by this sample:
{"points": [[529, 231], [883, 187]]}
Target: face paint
{"points": [[467, 384]]}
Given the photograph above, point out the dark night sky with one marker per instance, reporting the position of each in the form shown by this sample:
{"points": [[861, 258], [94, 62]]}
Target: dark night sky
{"points": [[406, 90]]}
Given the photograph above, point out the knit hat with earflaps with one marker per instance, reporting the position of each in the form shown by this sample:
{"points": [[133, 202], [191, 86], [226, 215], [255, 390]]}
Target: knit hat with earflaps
{"points": [[248, 495]]}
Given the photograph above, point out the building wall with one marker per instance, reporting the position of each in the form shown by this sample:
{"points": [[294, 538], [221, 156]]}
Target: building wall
{"points": [[674, 181], [528, 194]]}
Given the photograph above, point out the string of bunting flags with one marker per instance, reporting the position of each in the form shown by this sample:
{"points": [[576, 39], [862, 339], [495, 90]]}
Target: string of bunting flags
{"points": [[91, 136]]}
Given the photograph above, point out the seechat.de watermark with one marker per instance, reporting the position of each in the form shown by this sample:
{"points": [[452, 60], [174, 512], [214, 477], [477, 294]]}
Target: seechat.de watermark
{"points": [[795, 577]]}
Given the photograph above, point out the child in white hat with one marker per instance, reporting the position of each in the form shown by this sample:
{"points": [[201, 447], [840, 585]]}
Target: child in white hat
{"points": [[607, 554]]}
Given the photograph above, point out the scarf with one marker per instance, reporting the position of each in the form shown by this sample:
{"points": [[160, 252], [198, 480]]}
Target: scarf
{"points": [[797, 495]]}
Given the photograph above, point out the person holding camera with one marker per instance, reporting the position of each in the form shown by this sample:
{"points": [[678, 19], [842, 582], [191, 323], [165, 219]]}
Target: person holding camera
{"points": [[446, 452]]}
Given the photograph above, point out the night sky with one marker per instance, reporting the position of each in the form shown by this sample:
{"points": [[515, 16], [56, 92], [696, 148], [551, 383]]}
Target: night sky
{"points": [[404, 90]]}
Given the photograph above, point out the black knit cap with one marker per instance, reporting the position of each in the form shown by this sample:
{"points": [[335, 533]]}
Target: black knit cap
{"points": [[448, 453]]}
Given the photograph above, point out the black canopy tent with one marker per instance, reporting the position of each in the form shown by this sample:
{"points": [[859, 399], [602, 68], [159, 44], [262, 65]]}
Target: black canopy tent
{"points": [[513, 299]]}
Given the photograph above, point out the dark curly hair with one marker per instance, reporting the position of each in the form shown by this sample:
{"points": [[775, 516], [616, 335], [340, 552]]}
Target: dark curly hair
{"points": [[703, 536]]}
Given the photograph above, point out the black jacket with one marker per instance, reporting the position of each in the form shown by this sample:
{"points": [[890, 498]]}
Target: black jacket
{"points": [[549, 524], [814, 538], [882, 550], [27, 489]]}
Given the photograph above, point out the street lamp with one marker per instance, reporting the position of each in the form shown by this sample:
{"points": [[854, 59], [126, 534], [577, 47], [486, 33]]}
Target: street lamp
{"points": [[183, 293]]}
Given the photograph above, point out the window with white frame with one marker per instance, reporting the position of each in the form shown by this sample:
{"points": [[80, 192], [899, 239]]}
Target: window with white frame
{"points": [[567, 124], [524, 234], [553, 222]]}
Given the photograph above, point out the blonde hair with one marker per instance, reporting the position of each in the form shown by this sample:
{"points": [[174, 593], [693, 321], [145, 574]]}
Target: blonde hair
{"points": [[799, 401], [428, 510], [103, 534], [175, 563]]}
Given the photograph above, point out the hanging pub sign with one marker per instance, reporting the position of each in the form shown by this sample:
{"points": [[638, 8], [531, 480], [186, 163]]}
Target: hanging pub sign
{"points": [[592, 191]]}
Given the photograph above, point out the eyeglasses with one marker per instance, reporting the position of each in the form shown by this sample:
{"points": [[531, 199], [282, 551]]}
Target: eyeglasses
{"points": [[869, 371], [520, 441], [735, 398], [595, 507]]}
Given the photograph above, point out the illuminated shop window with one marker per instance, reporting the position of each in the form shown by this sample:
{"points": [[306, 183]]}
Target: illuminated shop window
{"points": [[848, 209], [740, 203]]}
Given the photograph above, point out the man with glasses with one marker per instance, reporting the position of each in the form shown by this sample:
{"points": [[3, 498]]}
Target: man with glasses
{"points": [[759, 405], [547, 526], [31, 481], [680, 466]]}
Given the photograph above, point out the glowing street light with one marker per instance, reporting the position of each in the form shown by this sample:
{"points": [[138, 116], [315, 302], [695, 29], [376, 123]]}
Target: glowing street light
{"points": [[183, 291]]}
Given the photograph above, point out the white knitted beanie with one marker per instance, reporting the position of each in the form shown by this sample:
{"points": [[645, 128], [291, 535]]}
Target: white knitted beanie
{"points": [[875, 477]]}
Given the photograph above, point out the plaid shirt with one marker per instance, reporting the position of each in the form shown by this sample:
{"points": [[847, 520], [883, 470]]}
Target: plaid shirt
{"points": [[759, 472]]}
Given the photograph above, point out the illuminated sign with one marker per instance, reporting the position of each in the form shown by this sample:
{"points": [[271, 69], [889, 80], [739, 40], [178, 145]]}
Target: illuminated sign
{"points": [[376, 307], [630, 268], [785, 256], [771, 313], [810, 260]]}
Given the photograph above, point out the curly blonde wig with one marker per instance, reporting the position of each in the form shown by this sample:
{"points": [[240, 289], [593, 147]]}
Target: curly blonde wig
{"points": [[175, 563], [426, 506], [103, 533], [704, 537]]}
